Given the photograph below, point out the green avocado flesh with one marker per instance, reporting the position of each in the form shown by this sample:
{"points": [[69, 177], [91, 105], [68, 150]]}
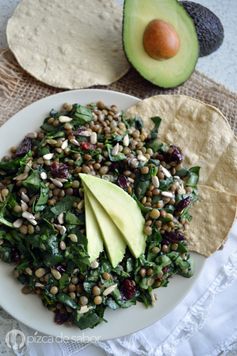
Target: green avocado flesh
{"points": [[113, 240], [93, 234], [167, 73], [122, 210]]}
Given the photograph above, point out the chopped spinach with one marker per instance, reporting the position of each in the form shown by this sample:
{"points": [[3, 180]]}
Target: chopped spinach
{"points": [[33, 181], [81, 114]]}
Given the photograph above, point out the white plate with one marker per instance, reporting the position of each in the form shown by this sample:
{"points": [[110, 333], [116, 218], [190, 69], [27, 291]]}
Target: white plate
{"points": [[28, 308]]}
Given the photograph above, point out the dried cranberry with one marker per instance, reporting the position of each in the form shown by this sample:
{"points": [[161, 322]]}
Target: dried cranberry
{"points": [[128, 288], [60, 317], [119, 166], [15, 255], [59, 170], [160, 156], [76, 192], [173, 155], [61, 268], [122, 182], [182, 204], [114, 166], [174, 236], [85, 146], [24, 147]]}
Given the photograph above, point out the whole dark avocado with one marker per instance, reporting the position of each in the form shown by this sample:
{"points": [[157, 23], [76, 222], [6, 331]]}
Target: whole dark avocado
{"points": [[208, 26]]}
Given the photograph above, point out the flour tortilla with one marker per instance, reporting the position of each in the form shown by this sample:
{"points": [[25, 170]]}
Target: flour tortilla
{"points": [[69, 44], [212, 217], [201, 131]]}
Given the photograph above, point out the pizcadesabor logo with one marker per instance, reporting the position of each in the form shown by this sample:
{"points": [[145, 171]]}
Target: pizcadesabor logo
{"points": [[15, 339]]}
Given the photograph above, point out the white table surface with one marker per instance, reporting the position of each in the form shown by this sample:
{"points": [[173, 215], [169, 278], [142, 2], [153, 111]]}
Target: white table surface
{"points": [[221, 66]]}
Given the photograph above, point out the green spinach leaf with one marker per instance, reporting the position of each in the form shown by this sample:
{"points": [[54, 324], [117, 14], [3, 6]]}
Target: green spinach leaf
{"points": [[43, 198], [33, 182], [81, 114]]}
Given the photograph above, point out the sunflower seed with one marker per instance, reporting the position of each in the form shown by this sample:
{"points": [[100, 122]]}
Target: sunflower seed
{"points": [[56, 182], [64, 119], [110, 289], [62, 245], [84, 309], [61, 229], [133, 162], [17, 223], [141, 158], [167, 194], [32, 135], [28, 166], [39, 285], [21, 176], [126, 140], [64, 144], [43, 175], [73, 237], [28, 270], [153, 298], [61, 218], [27, 215], [24, 206], [115, 149], [48, 156], [85, 133], [33, 222], [94, 264], [181, 191], [63, 180], [25, 197], [93, 138], [165, 171], [155, 181], [74, 142]]}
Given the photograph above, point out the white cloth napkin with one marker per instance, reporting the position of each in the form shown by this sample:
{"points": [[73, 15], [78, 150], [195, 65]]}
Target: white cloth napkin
{"points": [[204, 323]]}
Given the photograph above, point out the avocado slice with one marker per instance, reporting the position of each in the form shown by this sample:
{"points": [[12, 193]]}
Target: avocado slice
{"points": [[113, 239], [122, 209], [209, 28], [93, 234], [169, 72]]}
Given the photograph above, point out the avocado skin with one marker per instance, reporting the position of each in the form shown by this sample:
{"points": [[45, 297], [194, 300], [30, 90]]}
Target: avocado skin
{"points": [[208, 26]]}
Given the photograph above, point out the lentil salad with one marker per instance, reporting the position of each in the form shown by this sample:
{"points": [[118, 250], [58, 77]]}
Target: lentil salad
{"points": [[42, 215]]}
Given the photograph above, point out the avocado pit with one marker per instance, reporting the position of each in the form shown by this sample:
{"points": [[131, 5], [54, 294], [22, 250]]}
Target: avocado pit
{"points": [[160, 40]]}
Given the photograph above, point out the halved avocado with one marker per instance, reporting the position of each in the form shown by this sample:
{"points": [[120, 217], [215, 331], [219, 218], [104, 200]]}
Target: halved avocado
{"points": [[122, 210], [113, 239], [164, 72], [93, 233]]}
